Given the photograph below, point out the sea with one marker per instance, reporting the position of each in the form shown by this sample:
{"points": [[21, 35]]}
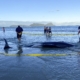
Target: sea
{"points": [[21, 62]]}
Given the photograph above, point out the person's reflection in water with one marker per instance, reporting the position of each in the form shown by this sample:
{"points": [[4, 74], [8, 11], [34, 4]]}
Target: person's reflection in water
{"points": [[6, 51], [48, 37], [20, 50]]}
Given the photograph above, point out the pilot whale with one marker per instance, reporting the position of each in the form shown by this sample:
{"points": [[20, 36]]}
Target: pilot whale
{"points": [[43, 45], [56, 45], [50, 44]]}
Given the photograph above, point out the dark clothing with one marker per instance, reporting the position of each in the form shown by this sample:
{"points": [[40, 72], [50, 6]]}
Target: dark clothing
{"points": [[19, 32], [19, 35], [79, 27], [19, 29], [50, 31], [45, 30]]}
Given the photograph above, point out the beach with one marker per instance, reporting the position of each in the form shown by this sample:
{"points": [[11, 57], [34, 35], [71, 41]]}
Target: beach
{"points": [[33, 63]]}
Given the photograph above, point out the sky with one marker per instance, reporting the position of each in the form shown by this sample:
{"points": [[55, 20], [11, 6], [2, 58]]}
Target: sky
{"points": [[40, 10]]}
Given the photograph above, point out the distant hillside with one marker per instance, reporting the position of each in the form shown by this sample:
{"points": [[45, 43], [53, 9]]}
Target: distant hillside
{"points": [[37, 24], [32, 23], [17, 25], [49, 24]]}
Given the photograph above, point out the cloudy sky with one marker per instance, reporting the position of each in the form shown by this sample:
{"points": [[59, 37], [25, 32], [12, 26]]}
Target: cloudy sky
{"points": [[40, 10]]}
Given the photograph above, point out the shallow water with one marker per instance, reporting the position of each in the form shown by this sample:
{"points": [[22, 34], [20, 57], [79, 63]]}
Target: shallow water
{"points": [[61, 64]]}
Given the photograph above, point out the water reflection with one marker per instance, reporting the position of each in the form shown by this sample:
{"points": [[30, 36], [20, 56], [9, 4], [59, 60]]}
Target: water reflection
{"points": [[48, 37], [20, 51], [6, 51]]}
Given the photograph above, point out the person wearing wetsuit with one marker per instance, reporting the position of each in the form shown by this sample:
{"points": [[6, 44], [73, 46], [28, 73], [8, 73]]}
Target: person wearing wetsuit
{"points": [[19, 31]]}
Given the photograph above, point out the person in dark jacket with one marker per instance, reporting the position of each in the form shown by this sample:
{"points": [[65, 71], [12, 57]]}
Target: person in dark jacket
{"points": [[78, 30], [19, 31]]}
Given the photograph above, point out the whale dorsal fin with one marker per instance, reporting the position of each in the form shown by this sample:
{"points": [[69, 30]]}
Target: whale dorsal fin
{"points": [[6, 44]]}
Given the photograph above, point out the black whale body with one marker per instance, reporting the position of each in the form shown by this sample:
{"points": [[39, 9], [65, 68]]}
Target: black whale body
{"points": [[44, 44], [50, 44], [56, 45]]}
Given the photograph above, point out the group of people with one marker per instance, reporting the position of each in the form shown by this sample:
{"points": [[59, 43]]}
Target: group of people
{"points": [[19, 30], [47, 31]]}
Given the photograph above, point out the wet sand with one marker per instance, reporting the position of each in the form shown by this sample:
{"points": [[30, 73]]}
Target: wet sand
{"points": [[19, 63]]}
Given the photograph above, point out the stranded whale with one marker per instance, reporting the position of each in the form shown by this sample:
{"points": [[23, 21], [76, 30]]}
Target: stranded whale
{"points": [[49, 44], [43, 45], [56, 45]]}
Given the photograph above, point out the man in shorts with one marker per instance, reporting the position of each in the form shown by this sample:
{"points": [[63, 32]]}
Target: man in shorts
{"points": [[19, 31]]}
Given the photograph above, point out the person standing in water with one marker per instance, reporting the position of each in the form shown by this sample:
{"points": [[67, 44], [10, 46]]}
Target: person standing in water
{"points": [[79, 32], [50, 31], [45, 30], [19, 31]]}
